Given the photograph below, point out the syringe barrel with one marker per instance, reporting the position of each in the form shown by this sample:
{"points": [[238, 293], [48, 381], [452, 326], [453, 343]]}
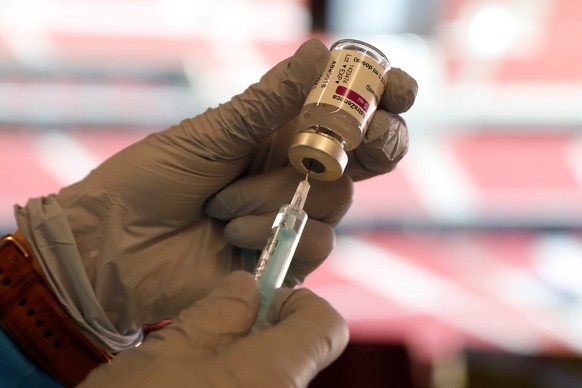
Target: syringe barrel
{"points": [[277, 254]]}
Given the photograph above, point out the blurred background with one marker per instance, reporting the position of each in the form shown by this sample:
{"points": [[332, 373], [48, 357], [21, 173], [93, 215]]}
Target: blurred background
{"points": [[463, 267]]}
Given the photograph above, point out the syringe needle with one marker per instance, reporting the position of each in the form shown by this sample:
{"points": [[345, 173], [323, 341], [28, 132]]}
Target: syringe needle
{"points": [[308, 170]]}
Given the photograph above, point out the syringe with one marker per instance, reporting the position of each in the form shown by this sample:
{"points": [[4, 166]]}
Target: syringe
{"points": [[278, 252]]}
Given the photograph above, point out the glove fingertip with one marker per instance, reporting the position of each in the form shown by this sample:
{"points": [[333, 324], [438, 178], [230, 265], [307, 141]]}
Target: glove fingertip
{"points": [[233, 303], [216, 208], [303, 309], [239, 283], [249, 232], [401, 91], [385, 144]]}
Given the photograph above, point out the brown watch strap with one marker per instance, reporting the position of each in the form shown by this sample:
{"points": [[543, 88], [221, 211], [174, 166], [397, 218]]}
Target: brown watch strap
{"points": [[35, 320]]}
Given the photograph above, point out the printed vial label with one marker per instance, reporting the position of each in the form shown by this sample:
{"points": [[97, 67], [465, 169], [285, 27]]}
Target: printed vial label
{"points": [[353, 82]]}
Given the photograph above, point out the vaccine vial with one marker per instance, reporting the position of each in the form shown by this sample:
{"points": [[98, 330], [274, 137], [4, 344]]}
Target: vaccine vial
{"points": [[337, 111]]}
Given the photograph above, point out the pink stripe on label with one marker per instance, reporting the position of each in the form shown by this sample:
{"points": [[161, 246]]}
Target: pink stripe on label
{"points": [[355, 97]]}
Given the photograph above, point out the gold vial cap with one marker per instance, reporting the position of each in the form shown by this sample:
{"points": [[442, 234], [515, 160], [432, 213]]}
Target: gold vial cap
{"points": [[324, 158]]}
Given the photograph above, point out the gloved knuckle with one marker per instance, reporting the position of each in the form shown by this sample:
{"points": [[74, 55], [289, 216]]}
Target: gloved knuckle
{"points": [[385, 144], [401, 91]]}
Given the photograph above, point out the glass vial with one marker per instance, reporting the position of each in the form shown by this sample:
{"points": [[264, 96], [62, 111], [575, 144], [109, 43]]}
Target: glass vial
{"points": [[338, 109]]}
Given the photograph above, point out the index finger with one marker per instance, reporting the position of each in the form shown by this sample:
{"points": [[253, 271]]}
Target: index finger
{"points": [[235, 128]]}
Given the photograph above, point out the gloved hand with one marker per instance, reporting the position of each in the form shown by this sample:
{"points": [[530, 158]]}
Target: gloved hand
{"points": [[249, 205], [207, 344], [157, 225]]}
